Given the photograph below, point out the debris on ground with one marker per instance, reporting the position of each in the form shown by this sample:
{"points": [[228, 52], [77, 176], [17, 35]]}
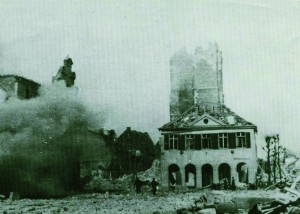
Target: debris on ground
{"points": [[290, 201], [125, 183], [152, 172]]}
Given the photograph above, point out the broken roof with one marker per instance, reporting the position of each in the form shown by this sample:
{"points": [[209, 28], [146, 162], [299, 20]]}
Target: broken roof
{"points": [[223, 117], [134, 135], [18, 78]]}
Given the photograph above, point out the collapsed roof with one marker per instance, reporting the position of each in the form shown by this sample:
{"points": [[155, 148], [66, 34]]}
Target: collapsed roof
{"points": [[225, 116]]}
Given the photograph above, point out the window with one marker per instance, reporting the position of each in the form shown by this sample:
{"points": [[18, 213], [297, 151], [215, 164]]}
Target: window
{"points": [[189, 141], [173, 142], [223, 140], [206, 141], [241, 139]]}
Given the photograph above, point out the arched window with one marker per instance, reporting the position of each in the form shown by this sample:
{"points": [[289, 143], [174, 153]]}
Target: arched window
{"points": [[190, 176], [207, 175], [224, 172], [174, 175], [242, 170]]}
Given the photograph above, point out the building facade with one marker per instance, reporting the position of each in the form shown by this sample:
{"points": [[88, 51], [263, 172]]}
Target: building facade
{"points": [[205, 142]]}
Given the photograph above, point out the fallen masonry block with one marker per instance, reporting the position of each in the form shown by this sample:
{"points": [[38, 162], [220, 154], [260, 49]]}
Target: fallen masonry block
{"points": [[206, 206], [208, 211], [201, 201], [248, 202], [182, 211], [227, 207], [291, 190], [268, 208]]}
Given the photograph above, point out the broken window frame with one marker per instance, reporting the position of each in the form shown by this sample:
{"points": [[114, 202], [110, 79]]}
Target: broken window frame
{"points": [[241, 140], [223, 140], [189, 141], [173, 141], [206, 141]]}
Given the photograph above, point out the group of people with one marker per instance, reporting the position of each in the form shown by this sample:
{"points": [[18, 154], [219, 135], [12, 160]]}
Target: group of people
{"points": [[138, 185]]}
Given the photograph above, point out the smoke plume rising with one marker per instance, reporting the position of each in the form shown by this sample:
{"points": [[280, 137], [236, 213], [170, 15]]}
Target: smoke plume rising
{"points": [[39, 151]]}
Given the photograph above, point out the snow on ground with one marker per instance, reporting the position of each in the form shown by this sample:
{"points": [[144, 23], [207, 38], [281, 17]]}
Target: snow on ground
{"points": [[110, 203]]}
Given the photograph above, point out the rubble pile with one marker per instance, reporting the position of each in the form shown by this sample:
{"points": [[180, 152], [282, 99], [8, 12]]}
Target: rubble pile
{"points": [[291, 170], [153, 172], [120, 185], [102, 203], [230, 201], [125, 183], [289, 202]]}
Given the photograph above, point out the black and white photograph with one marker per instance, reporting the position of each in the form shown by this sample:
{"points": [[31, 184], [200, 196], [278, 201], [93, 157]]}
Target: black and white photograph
{"points": [[150, 106]]}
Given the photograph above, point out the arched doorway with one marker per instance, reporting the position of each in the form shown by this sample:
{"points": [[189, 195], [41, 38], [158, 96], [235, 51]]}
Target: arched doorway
{"points": [[207, 175], [190, 176], [224, 172], [174, 175], [242, 170]]}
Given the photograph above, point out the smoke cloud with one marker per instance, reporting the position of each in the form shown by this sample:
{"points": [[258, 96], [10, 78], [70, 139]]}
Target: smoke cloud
{"points": [[39, 151]]}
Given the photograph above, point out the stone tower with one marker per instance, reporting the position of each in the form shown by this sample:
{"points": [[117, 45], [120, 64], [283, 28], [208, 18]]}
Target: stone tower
{"points": [[65, 73], [196, 79]]}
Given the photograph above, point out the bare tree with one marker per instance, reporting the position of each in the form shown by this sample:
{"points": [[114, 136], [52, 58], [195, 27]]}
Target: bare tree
{"points": [[268, 150], [275, 156]]}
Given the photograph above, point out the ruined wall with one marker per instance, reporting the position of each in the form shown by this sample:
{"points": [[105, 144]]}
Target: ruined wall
{"points": [[195, 78], [181, 73]]}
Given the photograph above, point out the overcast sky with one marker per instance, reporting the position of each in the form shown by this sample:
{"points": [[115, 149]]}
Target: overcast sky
{"points": [[121, 51]]}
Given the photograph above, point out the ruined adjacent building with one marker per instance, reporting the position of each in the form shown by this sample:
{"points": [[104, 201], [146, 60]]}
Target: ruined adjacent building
{"points": [[18, 87], [134, 152], [92, 150], [205, 142]]}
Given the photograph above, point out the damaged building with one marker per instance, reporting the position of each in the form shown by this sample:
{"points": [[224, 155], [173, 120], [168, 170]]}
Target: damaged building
{"points": [[134, 152], [94, 151], [205, 142], [18, 87], [93, 147]]}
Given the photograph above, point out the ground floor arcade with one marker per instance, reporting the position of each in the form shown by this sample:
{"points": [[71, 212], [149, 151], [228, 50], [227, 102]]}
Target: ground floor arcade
{"points": [[197, 176]]}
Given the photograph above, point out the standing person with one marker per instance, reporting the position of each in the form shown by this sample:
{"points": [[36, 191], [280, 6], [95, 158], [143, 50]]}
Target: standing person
{"points": [[233, 187], [154, 185], [138, 185]]}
